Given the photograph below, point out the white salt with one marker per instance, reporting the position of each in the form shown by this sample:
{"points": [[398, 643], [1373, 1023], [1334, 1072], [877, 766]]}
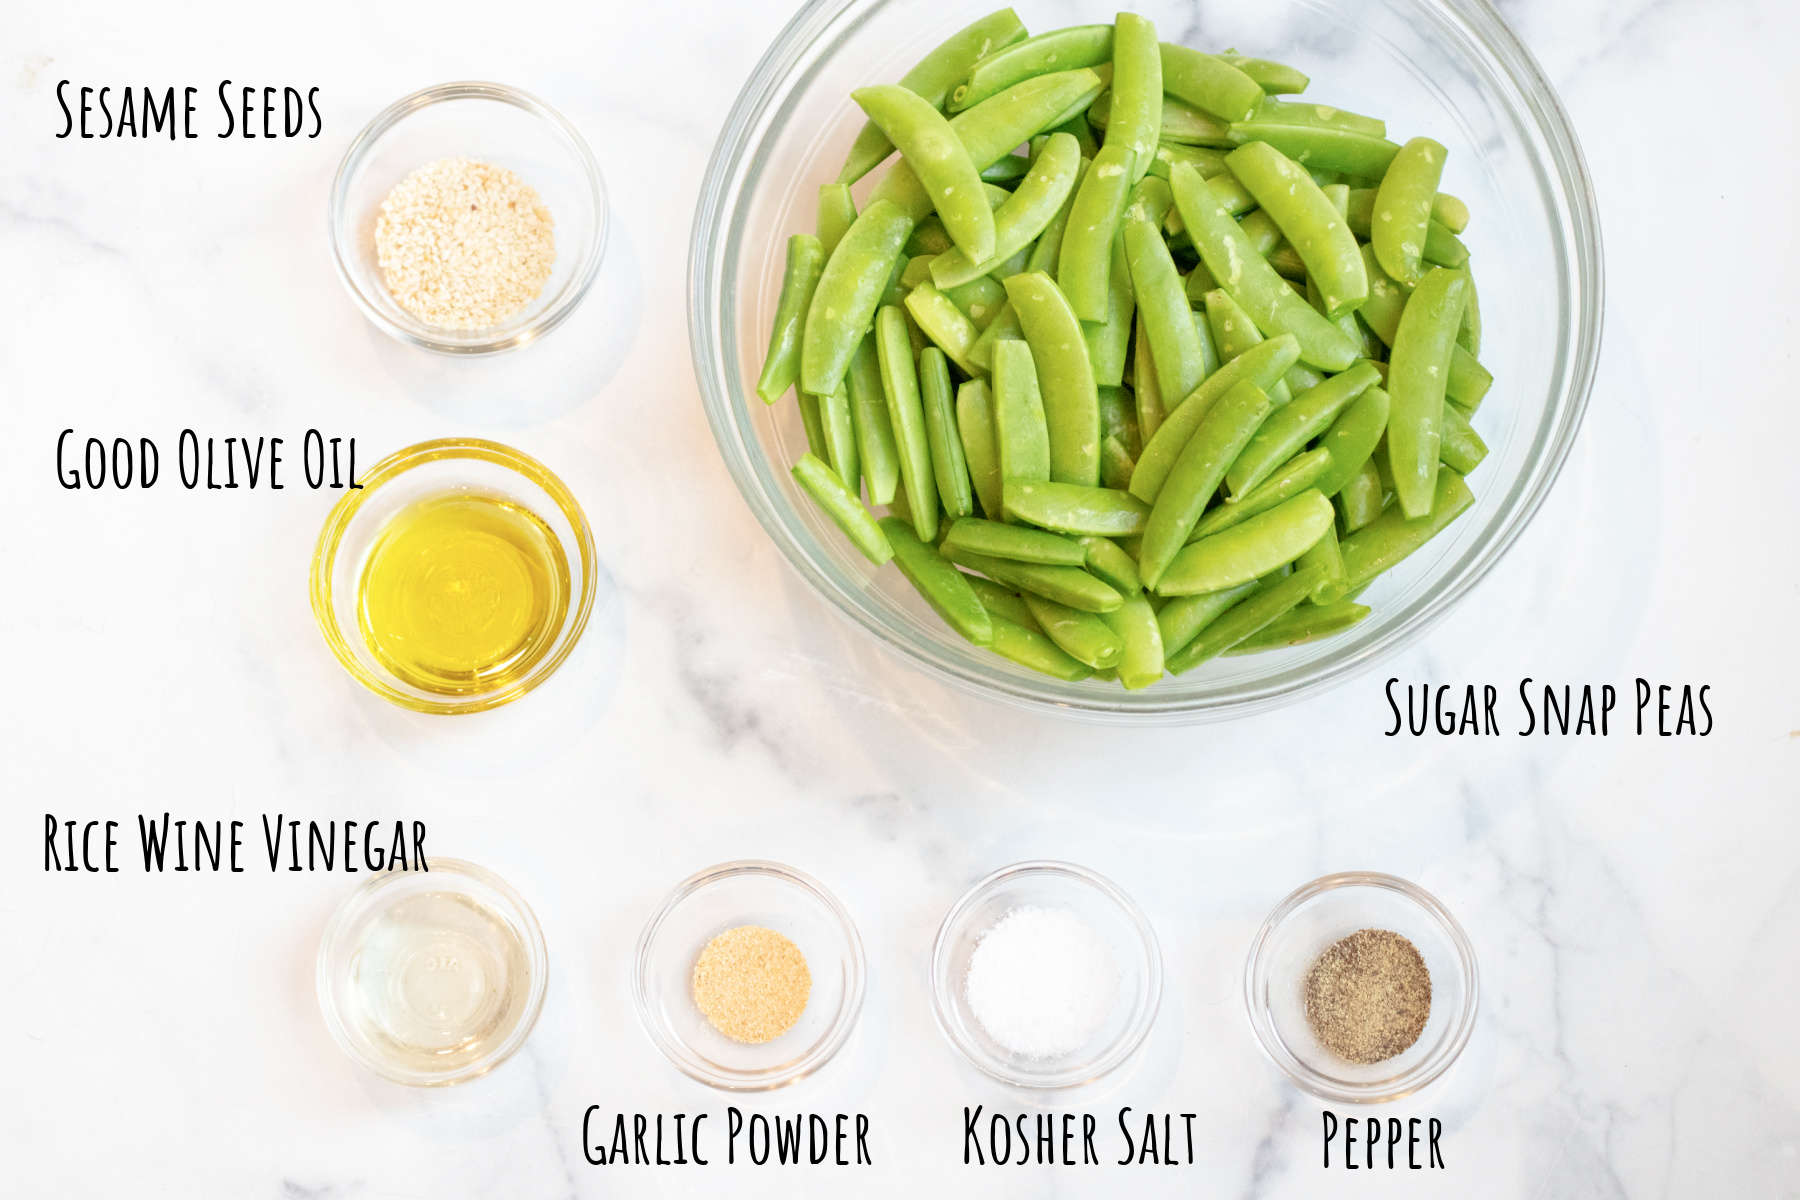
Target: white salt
{"points": [[1041, 981]]}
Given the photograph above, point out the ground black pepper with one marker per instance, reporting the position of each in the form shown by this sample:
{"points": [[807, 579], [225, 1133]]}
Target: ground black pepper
{"points": [[1368, 996]]}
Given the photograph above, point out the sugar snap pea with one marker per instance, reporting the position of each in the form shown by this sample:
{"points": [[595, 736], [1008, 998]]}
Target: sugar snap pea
{"points": [[840, 504], [1361, 499], [1250, 549], [1030, 648], [1461, 447], [1208, 160], [805, 263], [1416, 376], [1110, 563], [1141, 656], [1021, 435], [932, 78], [1014, 542], [1328, 557], [1146, 390], [980, 299], [1233, 332], [1302, 624], [949, 468], [1352, 438], [1000, 601], [1118, 418], [1318, 147], [1163, 312], [1382, 543], [1059, 50], [1066, 585], [838, 428], [812, 421], [837, 212], [850, 287], [900, 384], [1403, 209], [1065, 377], [1083, 265], [1262, 365], [981, 448], [1005, 326], [1302, 112], [1310, 222], [1275, 79], [1209, 83], [944, 323], [939, 159], [1244, 619], [1290, 479], [1136, 98], [1441, 247], [1290, 428], [875, 445], [1181, 619], [1221, 435], [1271, 303], [943, 587], [1084, 636], [1116, 463], [1039, 197], [1109, 342], [1076, 508]]}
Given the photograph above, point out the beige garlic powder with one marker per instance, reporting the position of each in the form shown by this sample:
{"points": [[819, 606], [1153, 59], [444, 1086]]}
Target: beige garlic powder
{"points": [[464, 244]]}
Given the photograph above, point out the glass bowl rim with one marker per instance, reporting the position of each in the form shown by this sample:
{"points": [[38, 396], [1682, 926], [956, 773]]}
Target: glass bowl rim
{"points": [[1560, 159], [416, 332], [1429, 1069], [356, 903], [843, 1023], [338, 521], [1136, 1031]]}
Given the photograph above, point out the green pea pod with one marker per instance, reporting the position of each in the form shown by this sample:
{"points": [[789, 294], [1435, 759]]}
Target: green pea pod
{"points": [[1048, 247], [1001, 602], [1249, 549], [1293, 477], [1060, 50], [1004, 327], [1233, 332], [1252, 282], [875, 445], [939, 159], [944, 588], [1137, 90], [1014, 543], [1066, 585], [1468, 334], [1416, 377], [1047, 184], [932, 78], [1468, 381], [1461, 448], [1288, 430], [1301, 112], [1183, 617], [850, 287], [1322, 147], [839, 430], [1179, 123], [1163, 313], [1118, 418], [1244, 619], [1275, 79], [1328, 557], [1441, 248], [805, 263], [1141, 657], [1208, 83], [1083, 267], [900, 384], [1352, 438], [1308, 220], [945, 324], [980, 300], [1390, 537], [981, 447], [928, 238], [837, 212], [1150, 201], [1208, 160], [1303, 624], [1112, 565], [1084, 636], [1403, 209], [1008, 170], [1076, 509], [1218, 439], [1065, 377], [1021, 435], [1116, 463], [949, 468], [812, 421], [841, 505], [1032, 649], [1146, 390], [1262, 365], [993, 129], [1362, 499], [1452, 213]]}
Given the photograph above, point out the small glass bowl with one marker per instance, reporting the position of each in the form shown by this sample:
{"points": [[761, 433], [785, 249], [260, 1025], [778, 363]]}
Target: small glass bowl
{"points": [[1302, 927], [705, 905], [427, 469], [495, 124], [334, 972], [1111, 913]]}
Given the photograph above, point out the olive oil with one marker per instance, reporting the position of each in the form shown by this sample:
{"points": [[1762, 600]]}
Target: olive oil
{"points": [[438, 981], [462, 593]]}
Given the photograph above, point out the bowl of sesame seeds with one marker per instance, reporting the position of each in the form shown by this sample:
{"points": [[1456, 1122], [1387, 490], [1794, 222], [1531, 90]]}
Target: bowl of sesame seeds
{"points": [[468, 218]]}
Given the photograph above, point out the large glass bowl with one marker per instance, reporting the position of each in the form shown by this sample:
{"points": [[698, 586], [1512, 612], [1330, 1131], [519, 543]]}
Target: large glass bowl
{"points": [[1449, 69]]}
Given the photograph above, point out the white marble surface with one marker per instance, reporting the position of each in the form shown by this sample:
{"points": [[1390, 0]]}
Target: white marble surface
{"points": [[1633, 900]]}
